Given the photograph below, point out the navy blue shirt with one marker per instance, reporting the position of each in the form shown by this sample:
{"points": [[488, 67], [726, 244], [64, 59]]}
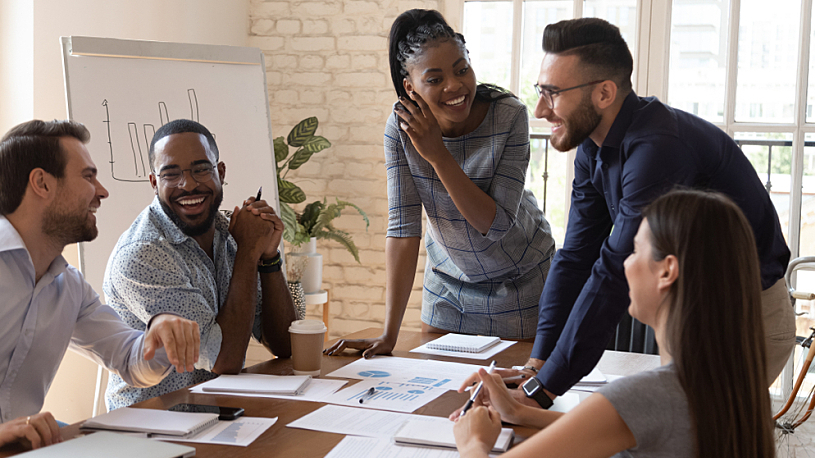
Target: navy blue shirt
{"points": [[650, 149]]}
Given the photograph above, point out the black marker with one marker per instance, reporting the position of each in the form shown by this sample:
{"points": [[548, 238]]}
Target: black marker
{"points": [[367, 395], [260, 189]]}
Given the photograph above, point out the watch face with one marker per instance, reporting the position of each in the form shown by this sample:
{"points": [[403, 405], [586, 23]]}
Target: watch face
{"points": [[531, 386]]}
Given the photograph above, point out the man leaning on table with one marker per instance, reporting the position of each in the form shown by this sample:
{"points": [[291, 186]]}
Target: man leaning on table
{"points": [[49, 195], [183, 256], [630, 150]]}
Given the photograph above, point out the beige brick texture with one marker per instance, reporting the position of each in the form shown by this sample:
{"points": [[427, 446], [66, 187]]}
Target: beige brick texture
{"points": [[329, 59]]}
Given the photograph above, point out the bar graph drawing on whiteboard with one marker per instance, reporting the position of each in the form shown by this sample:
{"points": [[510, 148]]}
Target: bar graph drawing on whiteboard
{"points": [[133, 156]]}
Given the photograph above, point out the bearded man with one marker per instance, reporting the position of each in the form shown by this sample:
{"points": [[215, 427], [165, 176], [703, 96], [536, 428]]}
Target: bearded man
{"points": [[183, 256], [630, 150]]}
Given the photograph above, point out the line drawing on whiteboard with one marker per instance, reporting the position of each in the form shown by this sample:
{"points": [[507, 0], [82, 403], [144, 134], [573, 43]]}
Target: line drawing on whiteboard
{"points": [[140, 143]]}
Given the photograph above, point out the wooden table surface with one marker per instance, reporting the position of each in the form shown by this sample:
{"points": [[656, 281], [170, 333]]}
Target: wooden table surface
{"points": [[282, 441]]}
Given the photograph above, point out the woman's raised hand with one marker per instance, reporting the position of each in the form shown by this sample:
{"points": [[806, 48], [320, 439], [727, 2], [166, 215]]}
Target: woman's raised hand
{"points": [[422, 128]]}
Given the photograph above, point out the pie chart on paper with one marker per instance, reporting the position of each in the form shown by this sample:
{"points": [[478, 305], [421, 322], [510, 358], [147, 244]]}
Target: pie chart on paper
{"points": [[374, 374]]}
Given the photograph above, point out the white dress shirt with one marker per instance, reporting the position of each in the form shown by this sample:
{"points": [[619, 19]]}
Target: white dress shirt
{"points": [[40, 320]]}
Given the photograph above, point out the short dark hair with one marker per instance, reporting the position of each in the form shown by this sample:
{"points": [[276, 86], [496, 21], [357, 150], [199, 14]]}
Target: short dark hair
{"points": [[33, 145], [180, 126], [599, 46]]}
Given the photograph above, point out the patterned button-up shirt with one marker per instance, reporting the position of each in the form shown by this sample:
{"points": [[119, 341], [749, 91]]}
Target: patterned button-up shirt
{"points": [[156, 268]]}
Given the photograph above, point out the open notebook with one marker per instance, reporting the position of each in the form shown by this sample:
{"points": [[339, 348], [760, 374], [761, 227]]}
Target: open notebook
{"points": [[153, 422], [439, 433], [463, 343]]}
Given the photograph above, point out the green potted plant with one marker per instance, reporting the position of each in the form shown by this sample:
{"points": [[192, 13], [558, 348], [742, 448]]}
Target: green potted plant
{"points": [[315, 220]]}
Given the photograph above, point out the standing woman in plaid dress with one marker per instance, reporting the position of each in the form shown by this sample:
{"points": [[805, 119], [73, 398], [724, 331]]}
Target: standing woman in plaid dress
{"points": [[460, 151]]}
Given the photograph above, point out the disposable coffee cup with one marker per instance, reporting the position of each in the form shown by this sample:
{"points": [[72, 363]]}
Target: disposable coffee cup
{"points": [[307, 346]]}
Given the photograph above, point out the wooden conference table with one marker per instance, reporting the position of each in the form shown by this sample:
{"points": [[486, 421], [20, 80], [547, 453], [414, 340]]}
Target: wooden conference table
{"points": [[280, 440]]}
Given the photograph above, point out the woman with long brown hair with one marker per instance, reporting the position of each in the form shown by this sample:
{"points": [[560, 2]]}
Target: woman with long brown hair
{"points": [[694, 277]]}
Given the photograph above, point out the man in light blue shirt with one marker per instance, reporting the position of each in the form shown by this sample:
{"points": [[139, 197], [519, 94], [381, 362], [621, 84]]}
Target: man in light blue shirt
{"points": [[49, 196], [183, 256]]}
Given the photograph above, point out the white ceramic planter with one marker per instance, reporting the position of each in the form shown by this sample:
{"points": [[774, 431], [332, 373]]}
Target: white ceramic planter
{"points": [[313, 271]]}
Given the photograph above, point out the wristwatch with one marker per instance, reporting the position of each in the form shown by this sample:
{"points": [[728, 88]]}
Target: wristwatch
{"points": [[534, 390], [270, 266]]}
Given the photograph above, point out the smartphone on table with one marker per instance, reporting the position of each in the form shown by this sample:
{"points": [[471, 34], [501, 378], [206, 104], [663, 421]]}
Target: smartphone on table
{"points": [[224, 413]]}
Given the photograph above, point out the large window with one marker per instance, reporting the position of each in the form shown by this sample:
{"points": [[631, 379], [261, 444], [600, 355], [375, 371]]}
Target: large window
{"points": [[504, 39]]}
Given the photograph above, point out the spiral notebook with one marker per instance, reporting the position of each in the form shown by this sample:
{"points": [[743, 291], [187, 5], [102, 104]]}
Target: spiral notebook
{"points": [[153, 422], [463, 343]]}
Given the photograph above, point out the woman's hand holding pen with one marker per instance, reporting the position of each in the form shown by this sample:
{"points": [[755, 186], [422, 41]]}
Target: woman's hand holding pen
{"points": [[495, 394], [477, 432], [422, 128]]}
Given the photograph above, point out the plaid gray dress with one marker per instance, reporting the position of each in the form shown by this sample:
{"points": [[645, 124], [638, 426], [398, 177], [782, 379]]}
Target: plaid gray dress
{"points": [[475, 284]]}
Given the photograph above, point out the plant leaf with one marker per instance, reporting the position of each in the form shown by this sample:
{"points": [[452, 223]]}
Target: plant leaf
{"points": [[316, 144], [300, 157], [288, 192], [333, 211], [289, 222], [302, 132], [343, 238], [281, 149]]}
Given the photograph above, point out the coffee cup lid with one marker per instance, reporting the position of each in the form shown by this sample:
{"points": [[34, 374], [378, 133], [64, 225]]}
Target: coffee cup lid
{"points": [[307, 327]]}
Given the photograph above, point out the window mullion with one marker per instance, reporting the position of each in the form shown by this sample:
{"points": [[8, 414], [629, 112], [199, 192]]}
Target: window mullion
{"points": [[732, 66], [578, 8], [517, 35]]}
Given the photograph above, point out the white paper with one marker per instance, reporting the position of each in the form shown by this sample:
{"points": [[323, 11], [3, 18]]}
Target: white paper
{"points": [[356, 422], [439, 433], [593, 388], [316, 391], [436, 374], [241, 432], [565, 403], [486, 354], [595, 377], [395, 396], [366, 447]]}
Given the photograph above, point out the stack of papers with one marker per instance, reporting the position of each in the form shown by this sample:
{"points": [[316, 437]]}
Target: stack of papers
{"points": [[258, 384]]}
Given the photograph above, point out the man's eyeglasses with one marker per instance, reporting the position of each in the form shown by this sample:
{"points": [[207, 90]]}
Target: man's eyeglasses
{"points": [[549, 94], [175, 178]]}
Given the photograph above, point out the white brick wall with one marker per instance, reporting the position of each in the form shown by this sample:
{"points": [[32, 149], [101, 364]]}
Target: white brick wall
{"points": [[329, 59]]}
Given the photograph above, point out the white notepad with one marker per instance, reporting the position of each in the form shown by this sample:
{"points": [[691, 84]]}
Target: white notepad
{"points": [[152, 421], [258, 383], [439, 433], [463, 343]]}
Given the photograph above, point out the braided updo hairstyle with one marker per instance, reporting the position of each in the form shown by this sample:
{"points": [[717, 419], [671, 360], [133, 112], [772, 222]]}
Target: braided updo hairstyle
{"points": [[410, 35]]}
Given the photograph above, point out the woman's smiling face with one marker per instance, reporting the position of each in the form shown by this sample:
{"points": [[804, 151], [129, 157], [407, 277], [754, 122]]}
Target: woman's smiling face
{"points": [[442, 76]]}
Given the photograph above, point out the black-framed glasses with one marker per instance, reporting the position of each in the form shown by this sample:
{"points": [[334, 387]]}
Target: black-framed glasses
{"points": [[549, 95], [201, 173]]}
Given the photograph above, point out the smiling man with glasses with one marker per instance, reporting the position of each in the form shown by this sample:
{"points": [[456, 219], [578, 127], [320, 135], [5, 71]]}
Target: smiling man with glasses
{"points": [[183, 256], [630, 150]]}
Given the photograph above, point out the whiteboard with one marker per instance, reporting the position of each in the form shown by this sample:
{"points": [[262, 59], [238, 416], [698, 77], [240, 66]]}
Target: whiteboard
{"points": [[123, 90]]}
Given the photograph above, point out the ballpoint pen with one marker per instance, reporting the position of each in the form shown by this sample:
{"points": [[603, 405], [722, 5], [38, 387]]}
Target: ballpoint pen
{"points": [[368, 394], [476, 391]]}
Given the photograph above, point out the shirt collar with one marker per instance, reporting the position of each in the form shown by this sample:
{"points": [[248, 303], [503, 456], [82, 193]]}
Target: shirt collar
{"points": [[173, 233], [619, 127], [10, 240]]}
